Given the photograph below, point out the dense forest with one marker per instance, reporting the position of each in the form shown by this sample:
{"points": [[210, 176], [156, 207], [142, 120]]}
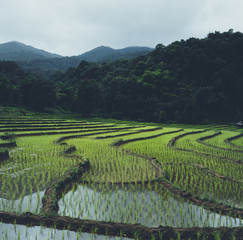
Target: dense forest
{"points": [[191, 81], [45, 63]]}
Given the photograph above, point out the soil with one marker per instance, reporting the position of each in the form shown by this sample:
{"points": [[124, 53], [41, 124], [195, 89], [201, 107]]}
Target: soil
{"points": [[49, 218], [173, 141], [201, 141], [9, 144], [119, 229], [144, 138], [212, 206], [4, 155], [233, 138], [14, 125]]}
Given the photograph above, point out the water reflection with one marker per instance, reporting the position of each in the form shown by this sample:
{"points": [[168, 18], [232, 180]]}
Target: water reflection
{"points": [[10, 232], [31, 203], [137, 204]]}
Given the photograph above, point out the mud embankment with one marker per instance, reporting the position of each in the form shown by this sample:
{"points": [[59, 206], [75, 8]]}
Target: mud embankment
{"points": [[120, 229], [228, 140], [206, 203], [173, 142], [202, 139]]}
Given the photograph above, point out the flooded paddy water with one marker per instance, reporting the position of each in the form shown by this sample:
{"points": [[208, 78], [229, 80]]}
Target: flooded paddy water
{"points": [[147, 205], [21, 232], [38, 162]]}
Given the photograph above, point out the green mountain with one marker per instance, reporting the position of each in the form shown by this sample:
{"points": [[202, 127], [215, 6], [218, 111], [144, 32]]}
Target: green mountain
{"points": [[103, 53], [16, 51], [99, 54], [190, 81], [37, 60]]}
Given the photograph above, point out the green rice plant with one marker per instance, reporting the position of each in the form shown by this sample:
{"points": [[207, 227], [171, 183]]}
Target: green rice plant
{"points": [[40, 232], [217, 235], [142, 205], [37, 162], [238, 142], [2, 141], [197, 182], [189, 142], [181, 170], [32, 166], [111, 165], [158, 148], [220, 140]]}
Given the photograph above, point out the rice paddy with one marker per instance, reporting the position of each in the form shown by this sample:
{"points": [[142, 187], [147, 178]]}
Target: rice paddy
{"points": [[238, 142], [146, 176]]}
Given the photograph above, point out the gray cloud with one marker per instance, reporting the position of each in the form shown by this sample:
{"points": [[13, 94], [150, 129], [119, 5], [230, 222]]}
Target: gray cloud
{"points": [[71, 27]]}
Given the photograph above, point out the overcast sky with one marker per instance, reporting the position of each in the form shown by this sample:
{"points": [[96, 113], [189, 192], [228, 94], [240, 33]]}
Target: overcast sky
{"points": [[72, 27]]}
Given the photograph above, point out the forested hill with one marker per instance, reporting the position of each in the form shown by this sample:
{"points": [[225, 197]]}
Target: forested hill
{"points": [[194, 80], [16, 51], [103, 53], [99, 54], [40, 61]]}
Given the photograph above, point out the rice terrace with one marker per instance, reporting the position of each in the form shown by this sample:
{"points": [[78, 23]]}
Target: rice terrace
{"points": [[80, 179]]}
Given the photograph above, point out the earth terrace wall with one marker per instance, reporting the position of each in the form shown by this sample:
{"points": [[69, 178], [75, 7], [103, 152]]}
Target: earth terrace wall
{"points": [[173, 141], [9, 144], [121, 142], [206, 203], [201, 141], [112, 130], [131, 133], [48, 219], [120, 229], [66, 132], [34, 125], [54, 192], [228, 140], [206, 170], [51, 128], [4, 154], [31, 120]]}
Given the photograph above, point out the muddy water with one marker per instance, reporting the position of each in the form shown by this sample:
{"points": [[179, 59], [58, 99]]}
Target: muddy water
{"points": [[137, 204], [11, 232], [29, 203]]}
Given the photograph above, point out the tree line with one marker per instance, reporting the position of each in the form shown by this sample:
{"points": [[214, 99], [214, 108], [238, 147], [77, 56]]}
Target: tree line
{"points": [[191, 81]]}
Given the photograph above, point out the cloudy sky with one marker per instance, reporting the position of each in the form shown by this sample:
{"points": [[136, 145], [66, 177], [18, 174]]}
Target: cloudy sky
{"points": [[72, 27]]}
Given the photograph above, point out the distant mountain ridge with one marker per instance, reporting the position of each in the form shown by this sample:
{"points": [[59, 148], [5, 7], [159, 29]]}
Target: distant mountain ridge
{"points": [[34, 59], [104, 53], [16, 51]]}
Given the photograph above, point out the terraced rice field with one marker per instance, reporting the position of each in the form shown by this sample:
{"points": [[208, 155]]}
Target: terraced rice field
{"points": [[63, 179]]}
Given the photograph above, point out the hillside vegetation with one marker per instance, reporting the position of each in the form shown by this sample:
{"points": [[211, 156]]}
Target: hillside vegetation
{"points": [[74, 179], [191, 81], [99, 54], [40, 61], [16, 51]]}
